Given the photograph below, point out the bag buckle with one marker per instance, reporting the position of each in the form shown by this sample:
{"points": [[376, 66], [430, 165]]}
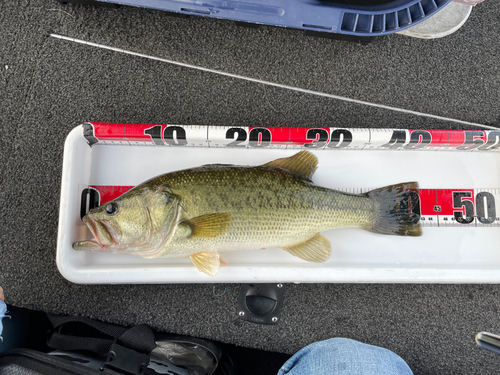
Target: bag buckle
{"points": [[125, 360]]}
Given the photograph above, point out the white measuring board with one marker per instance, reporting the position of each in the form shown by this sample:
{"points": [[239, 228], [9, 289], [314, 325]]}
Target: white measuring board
{"points": [[328, 138], [459, 201]]}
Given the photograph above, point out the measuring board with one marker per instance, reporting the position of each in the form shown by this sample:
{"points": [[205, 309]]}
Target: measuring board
{"points": [[436, 207], [290, 138], [458, 199]]}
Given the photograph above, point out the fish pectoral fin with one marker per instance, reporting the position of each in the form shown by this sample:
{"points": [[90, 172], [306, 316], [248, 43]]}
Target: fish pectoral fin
{"points": [[87, 246], [303, 163], [211, 225], [206, 262], [316, 249]]}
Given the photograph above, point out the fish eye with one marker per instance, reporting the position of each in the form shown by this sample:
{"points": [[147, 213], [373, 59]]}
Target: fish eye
{"points": [[111, 208]]}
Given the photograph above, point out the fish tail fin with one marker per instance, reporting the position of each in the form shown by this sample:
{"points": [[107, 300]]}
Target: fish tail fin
{"points": [[397, 210]]}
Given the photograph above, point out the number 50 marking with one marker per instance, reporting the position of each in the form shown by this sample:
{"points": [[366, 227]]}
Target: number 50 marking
{"points": [[487, 216]]}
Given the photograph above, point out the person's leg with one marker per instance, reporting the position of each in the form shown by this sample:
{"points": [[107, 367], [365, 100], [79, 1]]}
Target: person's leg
{"points": [[16, 328], [341, 356], [3, 310]]}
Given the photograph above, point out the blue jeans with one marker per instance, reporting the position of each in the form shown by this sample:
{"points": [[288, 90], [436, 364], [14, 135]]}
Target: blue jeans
{"points": [[340, 356], [15, 329], [3, 310]]}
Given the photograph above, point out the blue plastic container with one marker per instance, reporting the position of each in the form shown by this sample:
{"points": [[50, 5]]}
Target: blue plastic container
{"points": [[341, 17]]}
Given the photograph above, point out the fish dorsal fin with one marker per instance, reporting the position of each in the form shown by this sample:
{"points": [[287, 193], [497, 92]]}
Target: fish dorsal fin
{"points": [[303, 163], [206, 262], [211, 225], [316, 249]]}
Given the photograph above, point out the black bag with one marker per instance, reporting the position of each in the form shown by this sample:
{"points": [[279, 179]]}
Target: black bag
{"points": [[85, 346], [32, 362]]}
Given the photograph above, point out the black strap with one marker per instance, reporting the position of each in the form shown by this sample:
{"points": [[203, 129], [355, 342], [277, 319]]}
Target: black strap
{"points": [[139, 338], [71, 343]]}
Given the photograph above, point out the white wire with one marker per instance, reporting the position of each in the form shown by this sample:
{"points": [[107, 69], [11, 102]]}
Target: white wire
{"points": [[255, 80]]}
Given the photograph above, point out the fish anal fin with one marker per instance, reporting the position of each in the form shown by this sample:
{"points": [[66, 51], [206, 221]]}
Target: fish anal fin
{"points": [[206, 262], [223, 261], [211, 225], [303, 163], [316, 249]]}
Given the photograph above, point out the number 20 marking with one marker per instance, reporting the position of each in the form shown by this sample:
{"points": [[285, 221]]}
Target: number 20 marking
{"points": [[258, 137]]}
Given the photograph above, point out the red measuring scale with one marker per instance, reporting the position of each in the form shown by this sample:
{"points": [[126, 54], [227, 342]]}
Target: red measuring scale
{"points": [[436, 207]]}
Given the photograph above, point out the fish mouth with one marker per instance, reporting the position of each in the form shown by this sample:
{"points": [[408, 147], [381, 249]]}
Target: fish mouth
{"points": [[104, 236]]}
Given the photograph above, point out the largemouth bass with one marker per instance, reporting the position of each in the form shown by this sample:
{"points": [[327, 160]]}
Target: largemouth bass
{"points": [[201, 212]]}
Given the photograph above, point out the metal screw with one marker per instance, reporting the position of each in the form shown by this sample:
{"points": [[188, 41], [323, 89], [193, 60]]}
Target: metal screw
{"points": [[274, 319], [241, 313], [280, 285]]}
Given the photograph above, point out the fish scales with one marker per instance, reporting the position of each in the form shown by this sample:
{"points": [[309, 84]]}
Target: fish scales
{"points": [[269, 207]]}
